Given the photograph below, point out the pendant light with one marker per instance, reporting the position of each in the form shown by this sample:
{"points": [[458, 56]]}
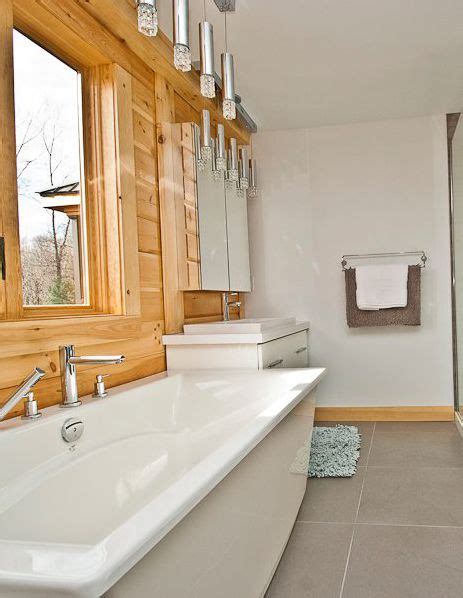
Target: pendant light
{"points": [[244, 169], [147, 17], [221, 152], [206, 50], [182, 52], [252, 191], [217, 174], [228, 80], [200, 164], [206, 138], [233, 173]]}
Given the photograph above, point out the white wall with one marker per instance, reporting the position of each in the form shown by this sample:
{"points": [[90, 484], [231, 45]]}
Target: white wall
{"points": [[361, 188]]}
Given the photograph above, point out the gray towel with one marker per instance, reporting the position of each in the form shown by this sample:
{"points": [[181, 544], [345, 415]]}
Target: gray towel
{"points": [[395, 316]]}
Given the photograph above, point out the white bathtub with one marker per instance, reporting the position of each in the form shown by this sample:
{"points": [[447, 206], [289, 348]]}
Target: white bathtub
{"points": [[75, 520]]}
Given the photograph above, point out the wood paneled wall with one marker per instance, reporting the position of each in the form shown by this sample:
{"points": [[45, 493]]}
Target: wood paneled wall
{"points": [[110, 38]]}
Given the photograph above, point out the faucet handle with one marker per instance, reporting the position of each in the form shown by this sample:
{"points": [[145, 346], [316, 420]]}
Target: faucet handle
{"points": [[100, 391], [31, 407]]}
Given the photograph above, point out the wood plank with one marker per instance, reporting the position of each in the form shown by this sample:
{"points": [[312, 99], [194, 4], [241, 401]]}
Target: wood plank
{"points": [[203, 303], [152, 305], [150, 271], [147, 200], [143, 133], [36, 336], [145, 166], [412, 413], [149, 236], [143, 100]]}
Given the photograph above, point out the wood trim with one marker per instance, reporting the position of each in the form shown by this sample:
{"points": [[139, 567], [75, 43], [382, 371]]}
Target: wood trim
{"points": [[114, 216], [173, 296], [11, 288], [127, 197], [418, 414]]}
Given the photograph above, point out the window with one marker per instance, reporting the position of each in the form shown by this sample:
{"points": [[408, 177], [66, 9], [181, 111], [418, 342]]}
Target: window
{"points": [[50, 178]]}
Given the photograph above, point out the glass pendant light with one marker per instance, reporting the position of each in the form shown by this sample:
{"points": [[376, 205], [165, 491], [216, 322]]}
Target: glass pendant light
{"points": [[200, 164], [233, 173], [228, 81], [206, 140], [182, 52], [252, 191], [206, 48], [221, 152], [216, 173], [147, 17], [244, 169]]}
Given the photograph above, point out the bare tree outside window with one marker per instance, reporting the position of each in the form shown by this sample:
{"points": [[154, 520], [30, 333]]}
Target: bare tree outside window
{"points": [[50, 189]]}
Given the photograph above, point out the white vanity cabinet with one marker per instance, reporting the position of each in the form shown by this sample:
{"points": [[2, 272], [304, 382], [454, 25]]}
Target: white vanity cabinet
{"points": [[290, 351], [285, 347]]}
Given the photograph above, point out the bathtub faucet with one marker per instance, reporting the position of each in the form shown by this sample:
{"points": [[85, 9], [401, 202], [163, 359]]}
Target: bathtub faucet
{"points": [[68, 362], [22, 391]]}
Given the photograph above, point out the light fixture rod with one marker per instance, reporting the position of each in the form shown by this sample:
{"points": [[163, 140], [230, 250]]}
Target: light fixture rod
{"points": [[206, 42], [233, 154], [228, 77], [253, 173], [207, 138], [221, 150], [181, 21], [244, 163]]}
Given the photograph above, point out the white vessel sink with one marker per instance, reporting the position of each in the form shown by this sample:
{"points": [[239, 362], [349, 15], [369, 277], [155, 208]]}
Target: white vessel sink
{"points": [[250, 325]]}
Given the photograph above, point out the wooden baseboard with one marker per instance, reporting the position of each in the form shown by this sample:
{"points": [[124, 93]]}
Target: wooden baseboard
{"points": [[385, 414]]}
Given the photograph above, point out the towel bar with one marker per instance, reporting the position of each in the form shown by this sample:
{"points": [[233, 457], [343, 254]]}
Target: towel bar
{"points": [[421, 254]]}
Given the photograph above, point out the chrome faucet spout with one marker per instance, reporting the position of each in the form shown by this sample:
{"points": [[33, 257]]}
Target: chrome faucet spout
{"points": [[22, 391], [97, 359], [68, 361]]}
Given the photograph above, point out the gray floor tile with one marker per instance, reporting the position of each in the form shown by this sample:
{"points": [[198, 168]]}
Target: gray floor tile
{"points": [[313, 563], [332, 499], [421, 496], [416, 444], [366, 431], [405, 562]]}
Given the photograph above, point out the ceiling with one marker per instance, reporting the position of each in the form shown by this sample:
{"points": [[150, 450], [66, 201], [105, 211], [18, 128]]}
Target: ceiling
{"points": [[304, 63]]}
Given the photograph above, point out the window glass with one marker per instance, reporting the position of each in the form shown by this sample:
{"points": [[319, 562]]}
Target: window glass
{"points": [[51, 197]]}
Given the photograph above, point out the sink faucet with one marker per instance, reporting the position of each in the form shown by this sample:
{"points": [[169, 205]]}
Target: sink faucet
{"points": [[68, 362], [227, 304], [22, 391]]}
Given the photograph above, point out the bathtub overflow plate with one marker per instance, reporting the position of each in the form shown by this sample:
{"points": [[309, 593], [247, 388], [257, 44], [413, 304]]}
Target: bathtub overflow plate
{"points": [[72, 429]]}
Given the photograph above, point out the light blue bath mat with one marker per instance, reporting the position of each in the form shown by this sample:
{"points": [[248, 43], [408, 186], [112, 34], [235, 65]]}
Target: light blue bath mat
{"points": [[334, 453]]}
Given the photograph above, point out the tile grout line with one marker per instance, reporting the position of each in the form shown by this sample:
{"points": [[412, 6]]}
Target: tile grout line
{"points": [[356, 515]]}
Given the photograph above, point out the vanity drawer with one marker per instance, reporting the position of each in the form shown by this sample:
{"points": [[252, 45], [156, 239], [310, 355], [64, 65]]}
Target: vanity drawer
{"points": [[287, 352]]}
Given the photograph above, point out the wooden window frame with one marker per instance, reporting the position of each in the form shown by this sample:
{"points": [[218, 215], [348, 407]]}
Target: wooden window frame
{"points": [[109, 167]]}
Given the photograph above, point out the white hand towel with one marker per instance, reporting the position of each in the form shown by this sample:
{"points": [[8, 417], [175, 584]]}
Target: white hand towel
{"points": [[381, 287]]}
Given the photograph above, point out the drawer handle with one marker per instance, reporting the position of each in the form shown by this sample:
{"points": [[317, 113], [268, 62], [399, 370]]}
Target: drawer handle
{"points": [[275, 363], [301, 350]]}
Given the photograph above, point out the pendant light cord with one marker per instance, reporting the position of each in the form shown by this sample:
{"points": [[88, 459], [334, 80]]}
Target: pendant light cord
{"points": [[226, 32]]}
